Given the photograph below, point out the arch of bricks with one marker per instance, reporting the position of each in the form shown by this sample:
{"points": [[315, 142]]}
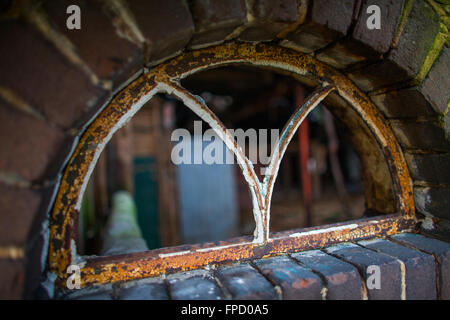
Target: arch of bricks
{"points": [[54, 81]]}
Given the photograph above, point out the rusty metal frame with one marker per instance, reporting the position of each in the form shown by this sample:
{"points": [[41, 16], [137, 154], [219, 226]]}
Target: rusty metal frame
{"points": [[165, 78]]}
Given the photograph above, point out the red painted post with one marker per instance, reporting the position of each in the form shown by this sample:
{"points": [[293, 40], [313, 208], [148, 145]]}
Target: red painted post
{"points": [[303, 144]]}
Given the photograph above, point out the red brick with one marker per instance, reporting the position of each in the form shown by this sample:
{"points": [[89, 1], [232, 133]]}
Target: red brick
{"points": [[405, 60], [246, 283], [167, 25], [271, 17], [19, 206], [146, 289], [104, 292], [420, 31], [432, 201], [336, 270], [345, 53], [342, 279], [295, 281], [425, 135], [405, 103], [28, 145], [12, 278], [433, 168], [379, 39], [390, 271], [420, 269], [215, 19], [194, 285], [436, 85], [365, 44], [97, 42], [325, 24], [439, 249], [34, 70]]}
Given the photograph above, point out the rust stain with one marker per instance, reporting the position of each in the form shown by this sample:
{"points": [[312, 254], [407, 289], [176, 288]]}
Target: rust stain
{"points": [[338, 278], [126, 267], [302, 283]]}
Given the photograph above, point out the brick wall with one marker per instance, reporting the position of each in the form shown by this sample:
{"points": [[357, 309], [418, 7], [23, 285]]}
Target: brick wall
{"points": [[54, 80], [411, 267]]}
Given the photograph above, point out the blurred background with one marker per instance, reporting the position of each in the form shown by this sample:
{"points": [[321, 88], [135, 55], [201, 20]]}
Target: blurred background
{"points": [[319, 181]]}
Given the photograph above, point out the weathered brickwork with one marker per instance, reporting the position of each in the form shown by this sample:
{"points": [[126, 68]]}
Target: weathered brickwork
{"points": [[421, 134], [19, 206], [166, 25], [295, 281], [12, 278], [215, 20], [113, 58], [245, 283], [418, 269], [432, 168], [436, 84], [432, 201], [362, 259], [62, 93], [195, 285], [143, 290], [363, 45], [47, 96], [323, 25], [269, 18], [440, 251], [27, 152], [342, 280], [411, 267], [407, 56]]}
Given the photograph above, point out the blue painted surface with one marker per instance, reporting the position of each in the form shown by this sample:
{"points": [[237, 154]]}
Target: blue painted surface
{"points": [[208, 203]]}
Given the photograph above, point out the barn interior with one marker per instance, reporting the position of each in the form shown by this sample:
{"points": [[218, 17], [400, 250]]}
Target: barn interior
{"points": [[319, 181]]}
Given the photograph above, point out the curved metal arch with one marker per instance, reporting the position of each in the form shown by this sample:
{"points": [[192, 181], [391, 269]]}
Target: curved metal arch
{"points": [[164, 78]]}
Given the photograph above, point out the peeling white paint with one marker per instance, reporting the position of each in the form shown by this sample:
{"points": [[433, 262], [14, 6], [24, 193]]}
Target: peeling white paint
{"points": [[326, 230], [323, 293], [340, 246], [179, 253], [368, 242], [45, 233], [49, 284], [402, 279], [222, 247], [428, 223]]}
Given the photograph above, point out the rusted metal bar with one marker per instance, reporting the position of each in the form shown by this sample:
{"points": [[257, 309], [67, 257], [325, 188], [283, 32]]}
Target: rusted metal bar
{"points": [[286, 136], [170, 260]]}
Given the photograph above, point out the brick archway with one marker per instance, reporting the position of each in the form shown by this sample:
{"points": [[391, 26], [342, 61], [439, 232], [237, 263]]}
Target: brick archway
{"points": [[65, 78]]}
